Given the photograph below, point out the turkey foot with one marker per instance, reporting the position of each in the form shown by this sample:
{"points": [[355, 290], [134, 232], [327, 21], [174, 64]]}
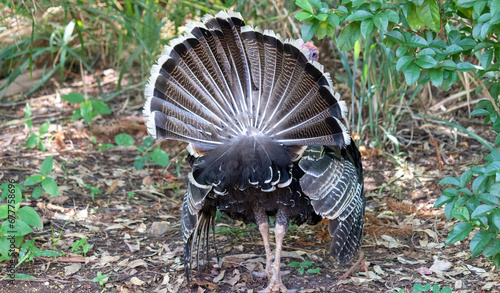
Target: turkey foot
{"points": [[275, 284], [360, 261], [262, 219]]}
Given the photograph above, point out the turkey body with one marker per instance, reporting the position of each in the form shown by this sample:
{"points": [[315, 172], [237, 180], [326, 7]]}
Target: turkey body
{"points": [[265, 137]]}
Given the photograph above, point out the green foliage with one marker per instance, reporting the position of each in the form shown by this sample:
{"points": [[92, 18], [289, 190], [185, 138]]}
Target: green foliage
{"points": [[100, 278], [431, 43], [418, 41], [303, 266], [48, 184], [36, 140], [417, 288], [93, 190], [88, 109], [147, 153], [477, 205], [81, 244], [17, 222], [72, 36]]}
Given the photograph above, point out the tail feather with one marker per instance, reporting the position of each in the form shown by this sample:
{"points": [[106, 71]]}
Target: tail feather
{"points": [[244, 82]]}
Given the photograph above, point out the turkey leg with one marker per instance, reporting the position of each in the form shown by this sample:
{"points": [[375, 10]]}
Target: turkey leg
{"points": [[263, 222], [275, 284]]}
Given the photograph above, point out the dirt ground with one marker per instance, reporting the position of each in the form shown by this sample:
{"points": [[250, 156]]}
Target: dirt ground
{"points": [[136, 241]]}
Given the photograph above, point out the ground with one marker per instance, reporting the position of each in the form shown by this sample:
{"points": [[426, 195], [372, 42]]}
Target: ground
{"points": [[135, 237]]}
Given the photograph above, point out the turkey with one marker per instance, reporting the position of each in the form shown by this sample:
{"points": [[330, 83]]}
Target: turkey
{"points": [[265, 136]]}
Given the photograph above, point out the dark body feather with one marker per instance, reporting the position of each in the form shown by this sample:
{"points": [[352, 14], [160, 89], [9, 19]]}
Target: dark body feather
{"points": [[265, 135]]}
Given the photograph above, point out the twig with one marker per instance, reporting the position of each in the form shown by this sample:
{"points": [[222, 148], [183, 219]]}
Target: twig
{"points": [[434, 142]]}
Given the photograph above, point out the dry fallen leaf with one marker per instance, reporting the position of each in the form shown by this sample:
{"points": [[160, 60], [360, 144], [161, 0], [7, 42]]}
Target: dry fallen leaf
{"points": [[219, 277], [136, 281], [72, 268]]}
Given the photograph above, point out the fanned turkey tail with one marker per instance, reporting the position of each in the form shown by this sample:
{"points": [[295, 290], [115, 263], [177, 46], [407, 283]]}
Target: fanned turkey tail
{"points": [[250, 104]]}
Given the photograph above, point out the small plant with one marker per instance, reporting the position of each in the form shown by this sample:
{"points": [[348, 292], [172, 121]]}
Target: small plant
{"points": [[100, 278], [417, 288], [477, 206], [17, 224], [303, 265], [81, 244], [146, 151], [88, 109], [130, 194], [93, 190], [47, 183], [27, 117], [35, 140]]}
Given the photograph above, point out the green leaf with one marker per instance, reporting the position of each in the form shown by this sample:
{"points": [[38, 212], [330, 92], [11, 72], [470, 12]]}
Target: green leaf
{"points": [[4, 211], [28, 215], [479, 241], [304, 4], [495, 219], [139, 163], [19, 228], [74, 98], [412, 17], [492, 248], [436, 76], [448, 65], [50, 186], [403, 62], [453, 49], [27, 111], [321, 16], [481, 211], [401, 51], [465, 3], [461, 214], [366, 27], [396, 36], [426, 51], [160, 157], [306, 263], [32, 141], [41, 146], [392, 16], [426, 62], [100, 107], [412, 72], [303, 15], [34, 179], [309, 28], [47, 166], [359, 15], [24, 277], [124, 139], [333, 20], [416, 41], [442, 200], [86, 111], [465, 66], [37, 192], [322, 30], [301, 270], [381, 22], [450, 180], [46, 253], [428, 13], [465, 178], [489, 199], [348, 36], [294, 264], [44, 128], [459, 232], [313, 271]]}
